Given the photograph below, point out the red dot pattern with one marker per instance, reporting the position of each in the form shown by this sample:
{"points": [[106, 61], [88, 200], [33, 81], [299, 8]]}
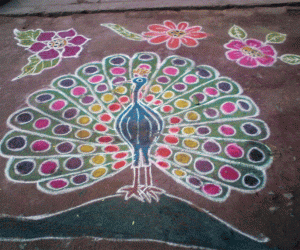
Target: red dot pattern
{"points": [[105, 139], [119, 164], [228, 107], [229, 173], [101, 128], [120, 155], [167, 109], [105, 117], [149, 98], [211, 91], [42, 123], [124, 99], [175, 120], [163, 152], [158, 102], [115, 107], [234, 151], [163, 164], [40, 145], [212, 189], [227, 130], [111, 148], [174, 130], [171, 139], [56, 184]]}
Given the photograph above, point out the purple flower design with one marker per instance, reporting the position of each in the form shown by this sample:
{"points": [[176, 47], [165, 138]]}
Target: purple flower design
{"points": [[51, 45], [251, 53]]}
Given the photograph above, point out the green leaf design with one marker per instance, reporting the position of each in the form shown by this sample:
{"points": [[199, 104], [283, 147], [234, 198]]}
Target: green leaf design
{"points": [[237, 32], [27, 38], [123, 32], [36, 65], [290, 59], [275, 37]]}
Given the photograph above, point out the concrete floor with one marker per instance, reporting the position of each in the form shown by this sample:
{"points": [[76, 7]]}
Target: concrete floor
{"points": [[273, 212]]}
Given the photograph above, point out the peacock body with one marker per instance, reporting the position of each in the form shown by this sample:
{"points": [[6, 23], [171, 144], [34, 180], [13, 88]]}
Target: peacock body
{"points": [[186, 120]]}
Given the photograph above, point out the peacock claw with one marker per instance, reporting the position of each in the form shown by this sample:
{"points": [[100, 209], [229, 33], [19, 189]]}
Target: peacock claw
{"points": [[152, 192], [132, 192]]}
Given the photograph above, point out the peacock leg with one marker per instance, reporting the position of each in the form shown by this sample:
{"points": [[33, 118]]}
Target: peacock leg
{"points": [[134, 191], [149, 190]]}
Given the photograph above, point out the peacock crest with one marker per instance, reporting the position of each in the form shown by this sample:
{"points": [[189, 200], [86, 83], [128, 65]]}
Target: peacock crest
{"points": [[139, 112]]}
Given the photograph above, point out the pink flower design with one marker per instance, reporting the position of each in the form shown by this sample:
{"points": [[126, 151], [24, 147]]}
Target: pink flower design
{"points": [[51, 45], [251, 53], [174, 35]]}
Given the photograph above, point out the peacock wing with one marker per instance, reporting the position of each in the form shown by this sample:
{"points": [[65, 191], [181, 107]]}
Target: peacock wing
{"points": [[61, 141], [210, 138]]}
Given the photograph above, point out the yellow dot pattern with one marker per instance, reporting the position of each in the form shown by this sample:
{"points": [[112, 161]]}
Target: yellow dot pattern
{"points": [[120, 90], [99, 172], [179, 173], [96, 108], [84, 120], [168, 95], [156, 89], [83, 134], [107, 98], [190, 143], [192, 116], [98, 159], [182, 104], [183, 158], [188, 130], [86, 148]]}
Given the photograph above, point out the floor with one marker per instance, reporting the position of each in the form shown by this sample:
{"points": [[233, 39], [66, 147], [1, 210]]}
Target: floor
{"points": [[219, 107]]}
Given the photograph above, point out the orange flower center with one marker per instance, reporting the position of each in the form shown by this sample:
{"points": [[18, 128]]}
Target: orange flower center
{"points": [[176, 33], [58, 43], [248, 51]]}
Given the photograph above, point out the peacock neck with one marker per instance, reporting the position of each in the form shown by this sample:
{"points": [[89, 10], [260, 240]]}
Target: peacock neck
{"points": [[136, 94]]}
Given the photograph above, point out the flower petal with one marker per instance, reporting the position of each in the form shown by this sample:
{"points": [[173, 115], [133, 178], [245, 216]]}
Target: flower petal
{"points": [[234, 44], [78, 40], [170, 24], [193, 29], [190, 42], [157, 28], [151, 33], [182, 25], [248, 61], [71, 51], [159, 39], [49, 54], [234, 55], [197, 35], [36, 47], [254, 43], [45, 36], [67, 33], [173, 43], [268, 50], [266, 60]]}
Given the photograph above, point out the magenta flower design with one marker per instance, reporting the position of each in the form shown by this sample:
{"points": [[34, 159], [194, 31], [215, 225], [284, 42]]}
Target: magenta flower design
{"points": [[48, 48], [51, 45], [251, 53]]}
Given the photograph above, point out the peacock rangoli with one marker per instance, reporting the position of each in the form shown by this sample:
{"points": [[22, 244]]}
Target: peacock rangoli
{"points": [[141, 113]]}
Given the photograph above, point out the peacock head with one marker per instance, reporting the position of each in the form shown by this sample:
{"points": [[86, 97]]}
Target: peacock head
{"points": [[140, 77], [139, 82]]}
